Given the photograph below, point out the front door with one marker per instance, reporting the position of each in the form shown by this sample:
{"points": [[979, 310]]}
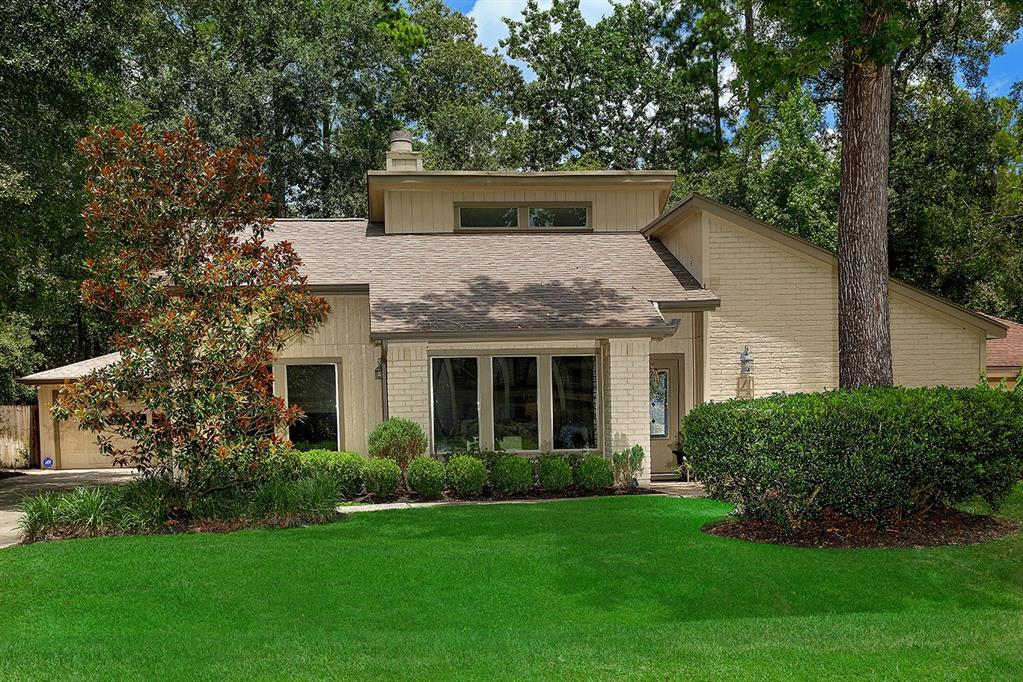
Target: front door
{"points": [[666, 399]]}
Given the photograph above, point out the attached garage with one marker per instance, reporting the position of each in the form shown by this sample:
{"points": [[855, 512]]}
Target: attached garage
{"points": [[62, 445]]}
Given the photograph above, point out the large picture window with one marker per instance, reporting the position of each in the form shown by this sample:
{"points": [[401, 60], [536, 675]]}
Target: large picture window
{"points": [[574, 394], [314, 389], [515, 403], [456, 419]]}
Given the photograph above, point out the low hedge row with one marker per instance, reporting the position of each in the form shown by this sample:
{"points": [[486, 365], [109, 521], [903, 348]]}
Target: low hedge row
{"points": [[464, 475], [877, 454]]}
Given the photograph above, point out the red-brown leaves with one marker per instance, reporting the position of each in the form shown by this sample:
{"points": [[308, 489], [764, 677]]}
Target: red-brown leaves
{"points": [[204, 301]]}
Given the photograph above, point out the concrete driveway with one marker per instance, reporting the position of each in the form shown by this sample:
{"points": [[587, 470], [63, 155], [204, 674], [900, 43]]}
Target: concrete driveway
{"points": [[13, 488]]}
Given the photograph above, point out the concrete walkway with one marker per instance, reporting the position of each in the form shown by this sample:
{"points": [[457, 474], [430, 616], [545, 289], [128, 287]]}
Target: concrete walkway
{"points": [[13, 488]]}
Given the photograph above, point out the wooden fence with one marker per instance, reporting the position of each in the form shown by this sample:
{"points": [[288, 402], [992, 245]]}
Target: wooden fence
{"points": [[19, 436]]}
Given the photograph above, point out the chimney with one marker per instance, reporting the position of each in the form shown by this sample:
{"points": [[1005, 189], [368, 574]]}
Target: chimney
{"points": [[400, 156]]}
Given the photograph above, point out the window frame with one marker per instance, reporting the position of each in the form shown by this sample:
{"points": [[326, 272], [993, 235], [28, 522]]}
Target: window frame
{"points": [[479, 398], [596, 401], [523, 215], [539, 400], [282, 381]]}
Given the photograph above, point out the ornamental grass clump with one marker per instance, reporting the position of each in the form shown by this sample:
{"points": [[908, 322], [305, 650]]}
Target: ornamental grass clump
{"points": [[627, 466], [877, 454]]}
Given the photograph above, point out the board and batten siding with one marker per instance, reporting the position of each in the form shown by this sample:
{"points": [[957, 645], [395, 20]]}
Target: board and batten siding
{"points": [[429, 211], [783, 303], [343, 339]]}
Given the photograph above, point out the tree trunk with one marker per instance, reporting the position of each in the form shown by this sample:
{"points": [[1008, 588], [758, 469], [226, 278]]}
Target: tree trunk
{"points": [[864, 336], [750, 38]]}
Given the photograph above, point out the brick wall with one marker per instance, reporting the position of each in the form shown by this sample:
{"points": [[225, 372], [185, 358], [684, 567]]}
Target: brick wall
{"points": [[626, 385], [408, 383]]}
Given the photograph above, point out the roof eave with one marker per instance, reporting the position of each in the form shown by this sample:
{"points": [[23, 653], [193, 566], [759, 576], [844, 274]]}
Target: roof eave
{"points": [[657, 331]]}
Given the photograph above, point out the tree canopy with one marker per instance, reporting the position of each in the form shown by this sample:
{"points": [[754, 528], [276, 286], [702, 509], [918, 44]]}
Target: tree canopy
{"points": [[739, 96]]}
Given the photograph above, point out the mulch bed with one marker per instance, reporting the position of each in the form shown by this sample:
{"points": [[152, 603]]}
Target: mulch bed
{"points": [[9, 473], [933, 529]]}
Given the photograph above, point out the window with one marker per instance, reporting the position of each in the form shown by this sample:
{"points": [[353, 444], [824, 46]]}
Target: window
{"points": [[314, 389], [523, 217], [574, 393], [488, 216], [659, 403], [456, 419], [557, 216], [515, 403]]}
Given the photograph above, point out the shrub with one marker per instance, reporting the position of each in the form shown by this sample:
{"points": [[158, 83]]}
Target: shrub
{"points": [[382, 478], [426, 477], [878, 454], [288, 502], [512, 475], [399, 440], [466, 476], [628, 465], [345, 467], [553, 473], [488, 457], [594, 473]]}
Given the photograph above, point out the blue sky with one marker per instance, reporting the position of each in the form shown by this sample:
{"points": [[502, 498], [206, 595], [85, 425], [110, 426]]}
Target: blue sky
{"points": [[1005, 69]]}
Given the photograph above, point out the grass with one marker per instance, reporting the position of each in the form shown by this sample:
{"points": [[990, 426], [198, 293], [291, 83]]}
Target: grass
{"points": [[603, 587]]}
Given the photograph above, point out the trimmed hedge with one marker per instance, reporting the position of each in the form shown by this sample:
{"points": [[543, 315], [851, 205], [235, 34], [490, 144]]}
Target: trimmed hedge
{"points": [[426, 477], [594, 473], [466, 476], [398, 439], [345, 467], [512, 475], [382, 478], [879, 454], [553, 473]]}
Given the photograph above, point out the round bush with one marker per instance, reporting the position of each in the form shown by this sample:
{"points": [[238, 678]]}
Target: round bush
{"points": [[878, 454], [399, 440], [382, 477], [426, 477], [594, 473], [512, 475], [345, 468], [466, 476], [553, 473]]}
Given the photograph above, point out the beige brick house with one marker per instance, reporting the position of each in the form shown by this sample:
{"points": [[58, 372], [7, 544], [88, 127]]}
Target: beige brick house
{"points": [[562, 311]]}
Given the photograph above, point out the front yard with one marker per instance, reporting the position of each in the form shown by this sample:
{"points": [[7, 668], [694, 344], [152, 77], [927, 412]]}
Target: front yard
{"points": [[604, 587]]}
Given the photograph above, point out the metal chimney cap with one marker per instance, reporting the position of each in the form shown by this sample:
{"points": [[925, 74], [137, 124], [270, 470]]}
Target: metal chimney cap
{"points": [[402, 135]]}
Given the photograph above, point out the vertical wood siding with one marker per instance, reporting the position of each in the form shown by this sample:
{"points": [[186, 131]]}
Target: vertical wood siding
{"points": [[16, 435]]}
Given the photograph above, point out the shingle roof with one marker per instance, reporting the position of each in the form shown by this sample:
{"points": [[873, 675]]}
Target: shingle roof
{"points": [[469, 283], [75, 370], [1007, 352]]}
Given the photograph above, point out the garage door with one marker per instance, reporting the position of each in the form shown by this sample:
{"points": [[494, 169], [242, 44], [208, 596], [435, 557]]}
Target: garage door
{"points": [[78, 449]]}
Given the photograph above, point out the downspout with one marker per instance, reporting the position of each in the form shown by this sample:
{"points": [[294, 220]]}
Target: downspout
{"points": [[382, 375]]}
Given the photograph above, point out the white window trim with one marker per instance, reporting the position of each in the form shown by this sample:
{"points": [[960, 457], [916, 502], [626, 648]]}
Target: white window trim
{"points": [[433, 419], [338, 405], [596, 398]]}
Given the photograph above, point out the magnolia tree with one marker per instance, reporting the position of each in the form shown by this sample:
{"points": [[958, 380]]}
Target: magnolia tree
{"points": [[202, 301]]}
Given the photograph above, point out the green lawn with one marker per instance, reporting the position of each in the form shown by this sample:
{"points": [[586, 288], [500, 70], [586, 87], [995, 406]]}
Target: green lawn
{"points": [[606, 587]]}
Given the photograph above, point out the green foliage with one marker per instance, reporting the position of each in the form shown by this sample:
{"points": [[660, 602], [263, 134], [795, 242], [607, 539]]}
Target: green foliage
{"points": [[467, 476], [17, 358], [878, 454], [488, 457], [399, 440], [627, 465], [203, 317], [426, 477], [553, 473], [382, 478], [512, 475], [287, 502], [345, 467], [594, 473]]}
